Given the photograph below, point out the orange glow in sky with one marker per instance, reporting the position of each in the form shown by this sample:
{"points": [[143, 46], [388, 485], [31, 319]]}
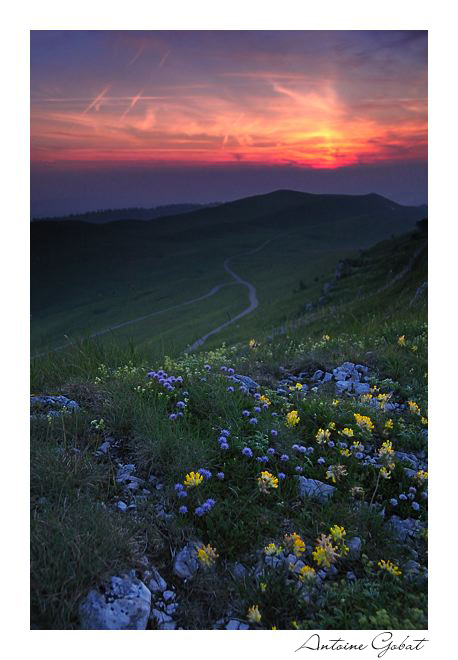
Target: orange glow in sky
{"points": [[170, 98]]}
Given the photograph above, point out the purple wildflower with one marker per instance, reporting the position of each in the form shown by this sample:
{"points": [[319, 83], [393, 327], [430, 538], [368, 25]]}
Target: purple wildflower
{"points": [[246, 451], [274, 433]]}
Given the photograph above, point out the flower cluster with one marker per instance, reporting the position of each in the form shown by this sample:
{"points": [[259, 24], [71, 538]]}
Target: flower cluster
{"points": [[253, 614], [205, 507], [295, 544], [414, 408], [325, 552], [193, 479], [292, 419], [365, 423], [336, 472], [421, 477], [389, 567], [272, 550], [267, 482], [206, 555], [322, 436]]}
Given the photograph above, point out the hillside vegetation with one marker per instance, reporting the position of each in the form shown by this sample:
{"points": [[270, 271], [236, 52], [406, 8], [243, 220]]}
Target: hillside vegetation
{"points": [[89, 279], [195, 468]]}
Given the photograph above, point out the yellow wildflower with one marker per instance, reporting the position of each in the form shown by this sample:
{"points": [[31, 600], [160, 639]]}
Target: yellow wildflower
{"points": [[254, 615], [364, 422], [263, 586], [207, 555], [365, 398], [357, 446], [389, 424], [292, 418], [306, 573], [357, 492], [413, 407], [389, 567], [383, 399], [337, 532], [385, 473], [325, 553], [267, 482], [402, 340], [335, 402], [386, 449], [193, 479], [349, 433], [424, 421], [272, 549], [421, 477], [265, 399], [252, 343], [326, 338], [345, 452], [414, 348], [296, 544], [332, 426], [322, 436], [298, 386]]}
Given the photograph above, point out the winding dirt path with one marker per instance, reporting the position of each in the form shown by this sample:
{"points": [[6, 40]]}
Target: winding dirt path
{"points": [[252, 296]]}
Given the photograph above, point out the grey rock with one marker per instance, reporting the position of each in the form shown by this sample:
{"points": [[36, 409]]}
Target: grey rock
{"points": [[185, 564], [156, 582], [246, 381], [410, 473], [170, 625], [361, 388], [238, 570], [124, 472], [408, 458], [315, 489], [363, 369], [354, 547], [233, 624], [121, 506], [412, 568], [344, 386], [125, 604], [403, 530], [272, 561], [160, 617], [103, 449], [351, 577], [327, 377], [171, 608], [317, 376], [168, 595]]}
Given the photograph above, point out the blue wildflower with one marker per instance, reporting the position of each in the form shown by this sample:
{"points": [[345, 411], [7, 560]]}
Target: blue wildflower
{"points": [[183, 510], [225, 432], [393, 501], [284, 457], [231, 371], [205, 473], [230, 388], [359, 456], [257, 409], [224, 445], [321, 460], [246, 413], [182, 493], [181, 404], [220, 475], [271, 451], [199, 511], [299, 469], [173, 416], [253, 421], [415, 506], [246, 451], [274, 433], [274, 414], [402, 496], [331, 444], [281, 475]]}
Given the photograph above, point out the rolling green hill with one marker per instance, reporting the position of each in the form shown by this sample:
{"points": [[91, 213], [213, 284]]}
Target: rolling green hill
{"points": [[87, 278]]}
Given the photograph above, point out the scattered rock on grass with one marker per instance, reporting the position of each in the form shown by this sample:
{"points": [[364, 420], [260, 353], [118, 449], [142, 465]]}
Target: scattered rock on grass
{"points": [[315, 489], [122, 603], [185, 564]]}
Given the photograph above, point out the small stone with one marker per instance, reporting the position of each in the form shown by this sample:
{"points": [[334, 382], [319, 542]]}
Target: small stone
{"points": [[156, 583], [315, 489], [185, 564], [343, 386], [122, 506], [233, 624], [403, 530], [317, 376], [168, 595], [171, 608], [103, 449], [246, 381], [354, 547], [160, 617], [238, 570], [327, 377]]}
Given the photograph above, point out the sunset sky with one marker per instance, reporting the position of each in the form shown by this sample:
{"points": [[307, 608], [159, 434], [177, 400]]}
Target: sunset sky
{"points": [[147, 118]]}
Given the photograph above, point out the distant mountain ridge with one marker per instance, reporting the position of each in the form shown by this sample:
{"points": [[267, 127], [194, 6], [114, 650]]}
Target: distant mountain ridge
{"points": [[133, 213]]}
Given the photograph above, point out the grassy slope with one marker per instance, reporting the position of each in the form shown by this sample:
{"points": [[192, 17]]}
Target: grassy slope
{"points": [[86, 278], [75, 540]]}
